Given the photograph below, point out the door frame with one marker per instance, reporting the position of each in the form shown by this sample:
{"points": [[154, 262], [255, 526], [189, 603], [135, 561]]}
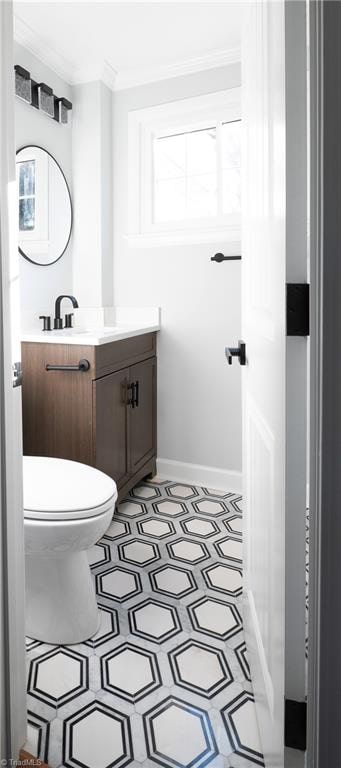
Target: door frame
{"points": [[12, 563], [324, 668]]}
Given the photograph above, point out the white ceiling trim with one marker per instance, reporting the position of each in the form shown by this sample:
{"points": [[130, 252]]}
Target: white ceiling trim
{"points": [[133, 78], [103, 71]]}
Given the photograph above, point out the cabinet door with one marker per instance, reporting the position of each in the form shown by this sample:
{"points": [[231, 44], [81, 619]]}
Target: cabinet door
{"points": [[142, 417], [110, 425]]}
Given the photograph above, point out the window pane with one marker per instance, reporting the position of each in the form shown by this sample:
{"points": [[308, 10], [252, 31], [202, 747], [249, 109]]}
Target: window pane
{"points": [[170, 200], [185, 174], [201, 151], [27, 178], [231, 144], [170, 157], [231, 191], [201, 196], [26, 214]]}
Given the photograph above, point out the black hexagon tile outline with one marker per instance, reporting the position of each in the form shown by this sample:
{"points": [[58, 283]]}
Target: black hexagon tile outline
{"points": [[176, 604], [73, 752]]}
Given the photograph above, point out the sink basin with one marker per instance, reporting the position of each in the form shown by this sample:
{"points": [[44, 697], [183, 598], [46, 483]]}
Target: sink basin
{"points": [[90, 336]]}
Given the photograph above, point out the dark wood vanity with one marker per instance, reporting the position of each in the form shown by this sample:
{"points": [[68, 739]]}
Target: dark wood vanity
{"points": [[104, 416]]}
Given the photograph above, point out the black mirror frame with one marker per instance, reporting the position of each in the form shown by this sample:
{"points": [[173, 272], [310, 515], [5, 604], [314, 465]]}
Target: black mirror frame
{"points": [[24, 255]]}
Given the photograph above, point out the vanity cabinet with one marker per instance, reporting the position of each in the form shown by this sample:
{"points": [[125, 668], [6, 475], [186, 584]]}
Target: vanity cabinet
{"points": [[104, 416]]}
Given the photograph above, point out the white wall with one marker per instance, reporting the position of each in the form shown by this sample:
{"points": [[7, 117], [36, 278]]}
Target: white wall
{"points": [[41, 285], [199, 395], [92, 186]]}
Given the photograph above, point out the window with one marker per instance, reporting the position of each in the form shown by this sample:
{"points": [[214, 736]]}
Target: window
{"points": [[27, 195], [32, 173], [184, 175], [197, 173]]}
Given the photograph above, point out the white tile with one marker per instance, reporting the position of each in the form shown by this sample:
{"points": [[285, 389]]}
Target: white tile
{"points": [[117, 528], [130, 671], [215, 617], [131, 509], [209, 507], [231, 549], [119, 583], [198, 527], [200, 667], [225, 579], [189, 551], [97, 740], [235, 525], [32, 741], [98, 554], [245, 721], [182, 491], [154, 620], [58, 675], [139, 552], [157, 528], [170, 508], [172, 580], [145, 492], [179, 735]]}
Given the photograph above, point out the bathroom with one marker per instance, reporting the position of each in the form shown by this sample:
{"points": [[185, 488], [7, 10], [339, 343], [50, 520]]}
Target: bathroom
{"points": [[135, 648]]}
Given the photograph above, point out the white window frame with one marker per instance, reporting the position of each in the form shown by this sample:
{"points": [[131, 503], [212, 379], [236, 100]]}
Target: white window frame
{"points": [[143, 127]]}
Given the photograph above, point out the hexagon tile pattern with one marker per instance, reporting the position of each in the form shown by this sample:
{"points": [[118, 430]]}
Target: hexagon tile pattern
{"points": [[165, 681]]}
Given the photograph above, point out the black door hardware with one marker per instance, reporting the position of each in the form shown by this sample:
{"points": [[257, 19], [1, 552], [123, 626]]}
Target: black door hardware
{"points": [[131, 401], [17, 374], [239, 351], [135, 392], [298, 309], [220, 257], [82, 366], [295, 724], [46, 322]]}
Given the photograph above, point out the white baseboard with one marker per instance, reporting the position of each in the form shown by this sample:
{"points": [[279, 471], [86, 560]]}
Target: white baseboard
{"points": [[197, 474]]}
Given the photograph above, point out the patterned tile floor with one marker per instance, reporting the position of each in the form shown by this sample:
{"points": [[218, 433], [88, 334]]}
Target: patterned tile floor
{"points": [[165, 682]]}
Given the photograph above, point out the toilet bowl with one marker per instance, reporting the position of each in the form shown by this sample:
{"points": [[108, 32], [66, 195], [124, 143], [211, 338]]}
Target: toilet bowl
{"points": [[68, 506]]}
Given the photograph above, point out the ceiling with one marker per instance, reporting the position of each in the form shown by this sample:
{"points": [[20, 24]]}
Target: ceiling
{"points": [[129, 43]]}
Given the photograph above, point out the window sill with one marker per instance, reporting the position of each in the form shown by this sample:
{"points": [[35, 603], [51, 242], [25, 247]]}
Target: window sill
{"points": [[220, 235]]}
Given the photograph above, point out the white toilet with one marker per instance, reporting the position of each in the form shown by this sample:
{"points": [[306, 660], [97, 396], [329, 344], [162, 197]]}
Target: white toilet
{"points": [[68, 506]]}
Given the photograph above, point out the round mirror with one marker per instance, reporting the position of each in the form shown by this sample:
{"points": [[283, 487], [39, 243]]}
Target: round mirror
{"points": [[44, 206]]}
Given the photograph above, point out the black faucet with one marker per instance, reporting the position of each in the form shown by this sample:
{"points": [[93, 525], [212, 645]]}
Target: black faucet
{"points": [[58, 322]]}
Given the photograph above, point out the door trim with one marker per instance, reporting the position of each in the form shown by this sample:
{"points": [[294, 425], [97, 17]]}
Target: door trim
{"points": [[315, 11], [324, 669], [12, 607]]}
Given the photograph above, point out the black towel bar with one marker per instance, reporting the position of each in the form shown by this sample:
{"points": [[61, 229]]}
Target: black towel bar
{"points": [[83, 365], [220, 257]]}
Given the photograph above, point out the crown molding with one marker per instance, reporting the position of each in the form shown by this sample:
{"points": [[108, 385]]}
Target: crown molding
{"points": [[103, 71], [136, 77], [25, 36]]}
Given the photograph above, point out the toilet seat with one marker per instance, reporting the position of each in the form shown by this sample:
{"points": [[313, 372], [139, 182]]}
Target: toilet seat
{"points": [[59, 489]]}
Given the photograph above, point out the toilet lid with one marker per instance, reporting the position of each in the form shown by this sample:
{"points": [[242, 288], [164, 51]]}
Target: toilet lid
{"points": [[53, 486]]}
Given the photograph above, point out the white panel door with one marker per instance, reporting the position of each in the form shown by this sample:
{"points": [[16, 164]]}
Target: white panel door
{"points": [[263, 324]]}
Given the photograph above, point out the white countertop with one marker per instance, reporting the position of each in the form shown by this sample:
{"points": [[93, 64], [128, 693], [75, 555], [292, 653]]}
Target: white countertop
{"points": [[90, 337]]}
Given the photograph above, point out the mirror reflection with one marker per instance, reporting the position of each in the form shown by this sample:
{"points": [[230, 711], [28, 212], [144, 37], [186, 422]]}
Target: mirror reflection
{"points": [[44, 206]]}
